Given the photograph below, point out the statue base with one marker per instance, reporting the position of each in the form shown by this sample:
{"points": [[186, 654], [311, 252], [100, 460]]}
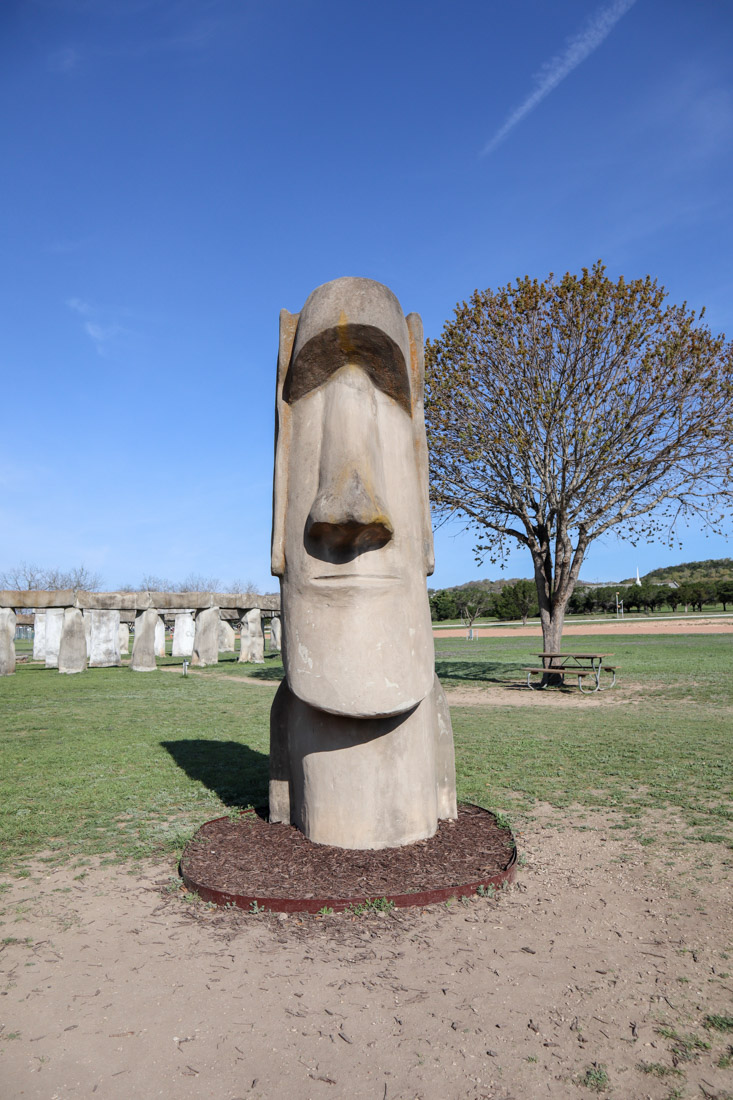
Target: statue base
{"points": [[254, 864]]}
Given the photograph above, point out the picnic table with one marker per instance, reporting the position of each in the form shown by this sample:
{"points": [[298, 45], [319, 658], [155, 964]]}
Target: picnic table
{"points": [[586, 666]]}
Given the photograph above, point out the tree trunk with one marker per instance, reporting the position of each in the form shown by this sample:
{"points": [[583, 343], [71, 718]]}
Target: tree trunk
{"points": [[554, 588]]}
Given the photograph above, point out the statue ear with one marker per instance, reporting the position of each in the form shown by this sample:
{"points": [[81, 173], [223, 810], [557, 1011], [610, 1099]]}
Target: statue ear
{"points": [[288, 325], [417, 391]]}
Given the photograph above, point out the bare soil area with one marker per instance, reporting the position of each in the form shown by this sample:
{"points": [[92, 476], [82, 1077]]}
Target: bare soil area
{"points": [[613, 626], [114, 985]]}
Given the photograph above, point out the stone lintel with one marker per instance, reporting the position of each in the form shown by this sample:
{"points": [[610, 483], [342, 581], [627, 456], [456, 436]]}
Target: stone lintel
{"points": [[135, 601]]}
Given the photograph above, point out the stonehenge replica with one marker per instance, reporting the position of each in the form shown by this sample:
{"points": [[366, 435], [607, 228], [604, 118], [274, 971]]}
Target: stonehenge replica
{"points": [[275, 635], [7, 641], [183, 634], [99, 635], [206, 637], [104, 647], [72, 656], [361, 744], [252, 642], [227, 637]]}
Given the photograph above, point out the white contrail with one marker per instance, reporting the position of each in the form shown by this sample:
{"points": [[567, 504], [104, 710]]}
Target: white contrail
{"points": [[555, 70]]}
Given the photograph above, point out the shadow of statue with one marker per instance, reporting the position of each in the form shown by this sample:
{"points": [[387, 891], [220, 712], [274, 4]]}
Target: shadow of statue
{"points": [[238, 775], [261, 672], [496, 672]]}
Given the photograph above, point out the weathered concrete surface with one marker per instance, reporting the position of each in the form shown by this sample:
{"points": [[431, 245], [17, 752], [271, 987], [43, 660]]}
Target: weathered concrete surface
{"points": [[87, 620], [37, 598], [7, 641], [226, 637], [131, 601], [206, 639], [183, 634], [143, 646], [73, 644], [244, 646], [54, 626], [123, 637], [276, 643], [256, 637], [39, 636], [360, 723], [104, 649], [160, 637], [372, 802]]}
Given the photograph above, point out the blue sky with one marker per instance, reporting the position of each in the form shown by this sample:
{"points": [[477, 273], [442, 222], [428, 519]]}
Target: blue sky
{"points": [[177, 171]]}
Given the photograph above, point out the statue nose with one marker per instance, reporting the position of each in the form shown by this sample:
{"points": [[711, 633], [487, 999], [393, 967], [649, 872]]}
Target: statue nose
{"points": [[348, 515]]}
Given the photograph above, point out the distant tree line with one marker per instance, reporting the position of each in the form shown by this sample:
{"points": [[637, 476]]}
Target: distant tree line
{"points": [[518, 600], [647, 597]]}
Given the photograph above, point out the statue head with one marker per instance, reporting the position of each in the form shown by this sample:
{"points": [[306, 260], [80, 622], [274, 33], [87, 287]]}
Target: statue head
{"points": [[352, 539]]}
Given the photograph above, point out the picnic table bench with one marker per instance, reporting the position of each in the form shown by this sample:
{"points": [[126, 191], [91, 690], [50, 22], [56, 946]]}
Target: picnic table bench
{"points": [[580, 665]]}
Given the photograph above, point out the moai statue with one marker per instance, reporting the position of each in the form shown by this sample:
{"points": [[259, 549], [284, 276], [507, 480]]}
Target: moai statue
{"points": [[7, 641], [206, 639], [73, 644], [226, 637], [54, 626], [183, 634], [275, 635], [361, 745], [39, 636], [143, 646]]}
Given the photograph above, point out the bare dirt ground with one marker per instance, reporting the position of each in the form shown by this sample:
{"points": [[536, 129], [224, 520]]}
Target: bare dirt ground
{"points": [[113, 987], [613, 626]]}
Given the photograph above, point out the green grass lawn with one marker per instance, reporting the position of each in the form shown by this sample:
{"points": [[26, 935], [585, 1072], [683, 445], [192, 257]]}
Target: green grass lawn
{"points": [[128, 764]]}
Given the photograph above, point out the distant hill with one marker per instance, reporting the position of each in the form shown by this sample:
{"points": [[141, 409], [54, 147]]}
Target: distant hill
{"points": [[715, 569]]}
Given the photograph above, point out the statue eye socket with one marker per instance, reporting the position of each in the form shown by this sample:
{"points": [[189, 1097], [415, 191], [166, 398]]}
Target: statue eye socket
{"points": [[361, 345]]}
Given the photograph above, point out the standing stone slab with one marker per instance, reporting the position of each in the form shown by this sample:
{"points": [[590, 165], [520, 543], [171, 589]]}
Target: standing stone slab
{"points": [[160, 637], [143, 647], [276, 643], [54, 626], [39, 636], [87, 618], [104, 649], [206, 639], [361, 747], [183, 634], [226, 637], [244, 646], [73, 644], [123, 639], [256, 636], [7, 641]]}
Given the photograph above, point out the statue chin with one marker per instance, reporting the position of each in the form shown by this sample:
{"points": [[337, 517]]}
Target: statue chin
{"points": [[356, 653]]}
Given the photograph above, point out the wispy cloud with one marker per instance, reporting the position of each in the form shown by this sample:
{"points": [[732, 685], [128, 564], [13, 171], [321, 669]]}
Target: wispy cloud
{"points": [[554, 71], [79, 306], [64, 60], [101, 334]]}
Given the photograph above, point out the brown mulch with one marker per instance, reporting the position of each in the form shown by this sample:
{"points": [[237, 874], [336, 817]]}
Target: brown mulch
{"points": [[238, 861]]}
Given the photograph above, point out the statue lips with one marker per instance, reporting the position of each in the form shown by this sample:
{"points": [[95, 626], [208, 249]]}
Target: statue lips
{"points": [[356, 578]]}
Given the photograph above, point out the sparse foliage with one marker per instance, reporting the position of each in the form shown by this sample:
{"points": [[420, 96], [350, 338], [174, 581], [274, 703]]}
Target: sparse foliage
{"points": [[29, 576], [560, 410]]}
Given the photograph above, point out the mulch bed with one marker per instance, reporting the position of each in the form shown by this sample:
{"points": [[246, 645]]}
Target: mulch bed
{"points": [[250, 860]]}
